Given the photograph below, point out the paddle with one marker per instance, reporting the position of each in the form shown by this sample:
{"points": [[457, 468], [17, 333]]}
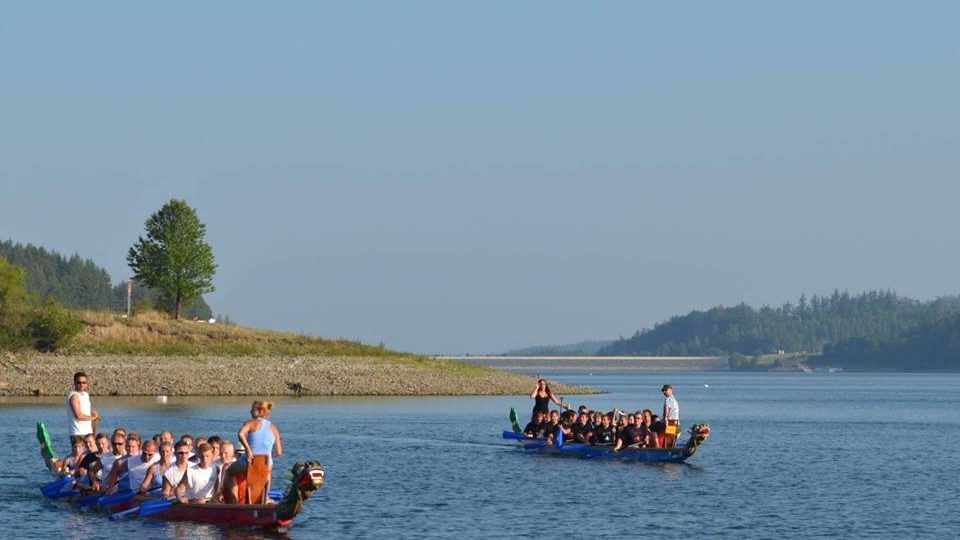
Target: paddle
{"points": [[63, 494], [154, 507], [128, 511], [117, 498], [145, 509], [46, 447], [52, 488], [110, 500], [132, 510], [515, 421]]}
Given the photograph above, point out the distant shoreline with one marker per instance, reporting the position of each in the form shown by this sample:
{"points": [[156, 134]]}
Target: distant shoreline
{"points": [[118, 375], [535, 364]]}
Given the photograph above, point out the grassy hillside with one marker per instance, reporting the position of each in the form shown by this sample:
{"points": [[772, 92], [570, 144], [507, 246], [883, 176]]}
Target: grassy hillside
{"points": [[155, 334], [151, 354]]}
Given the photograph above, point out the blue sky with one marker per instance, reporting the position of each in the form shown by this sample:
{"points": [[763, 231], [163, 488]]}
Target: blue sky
{"points": [[467, 178]]}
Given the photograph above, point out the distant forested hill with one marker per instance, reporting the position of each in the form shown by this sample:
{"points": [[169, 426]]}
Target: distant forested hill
{"points": [[929, 347], [875, 317], [78, 283]]}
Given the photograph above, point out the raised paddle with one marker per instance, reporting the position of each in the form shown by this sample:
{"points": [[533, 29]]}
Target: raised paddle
{"points": [[515, 420]]}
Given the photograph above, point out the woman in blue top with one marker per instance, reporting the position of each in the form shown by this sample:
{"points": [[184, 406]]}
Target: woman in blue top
{"points": [[261, 442]]}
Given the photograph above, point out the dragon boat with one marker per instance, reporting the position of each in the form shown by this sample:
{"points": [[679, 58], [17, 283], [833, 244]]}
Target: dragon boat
{"points": [[307, 478], [698, 434]]}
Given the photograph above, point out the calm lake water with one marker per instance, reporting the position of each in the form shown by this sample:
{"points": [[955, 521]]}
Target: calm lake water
{"points": [[791, 455]]}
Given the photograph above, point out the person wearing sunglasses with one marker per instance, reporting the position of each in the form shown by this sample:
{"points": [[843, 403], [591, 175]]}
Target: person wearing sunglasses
{"points": [[80, 415], [136, 464], [154, 477], [174, 473]]}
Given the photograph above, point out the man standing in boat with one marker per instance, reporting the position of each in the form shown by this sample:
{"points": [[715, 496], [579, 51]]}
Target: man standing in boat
{"points": [[80, 416], [671, 415]]}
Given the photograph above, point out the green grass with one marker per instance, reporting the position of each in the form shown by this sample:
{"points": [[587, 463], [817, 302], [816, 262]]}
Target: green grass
{"points": [[153, 334]]}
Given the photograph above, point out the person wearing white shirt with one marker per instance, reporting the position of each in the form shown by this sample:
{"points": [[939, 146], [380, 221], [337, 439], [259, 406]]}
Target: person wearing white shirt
{"points": [[80, 415], [671, 415], [201, 482]]}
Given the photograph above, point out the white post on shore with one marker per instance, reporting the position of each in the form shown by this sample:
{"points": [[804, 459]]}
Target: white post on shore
{"points": [[129, 295]]}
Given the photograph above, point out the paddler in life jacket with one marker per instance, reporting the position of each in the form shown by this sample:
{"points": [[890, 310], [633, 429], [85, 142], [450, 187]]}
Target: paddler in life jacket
{"points": [[261, 442]]}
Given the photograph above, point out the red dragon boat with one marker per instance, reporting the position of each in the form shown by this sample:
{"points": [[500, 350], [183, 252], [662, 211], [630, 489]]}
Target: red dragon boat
{"points": [[307, 476]]}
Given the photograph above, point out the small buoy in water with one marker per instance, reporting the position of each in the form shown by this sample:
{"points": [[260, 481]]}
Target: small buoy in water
{"points": [[706, 386], [161, 399]]}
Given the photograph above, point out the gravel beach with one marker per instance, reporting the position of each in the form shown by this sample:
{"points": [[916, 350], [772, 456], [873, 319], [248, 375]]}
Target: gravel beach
{"points": [[51, 375]]}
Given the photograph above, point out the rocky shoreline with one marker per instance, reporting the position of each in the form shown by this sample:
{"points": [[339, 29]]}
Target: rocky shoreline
{"points": [[51, 375]]}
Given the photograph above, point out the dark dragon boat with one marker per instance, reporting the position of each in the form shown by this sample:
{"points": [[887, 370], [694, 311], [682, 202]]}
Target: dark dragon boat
{"points": [[684, 450], [307, 478]]}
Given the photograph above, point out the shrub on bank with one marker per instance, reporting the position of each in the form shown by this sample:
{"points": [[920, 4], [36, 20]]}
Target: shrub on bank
{"points": [[52, 327], [25, 321]]}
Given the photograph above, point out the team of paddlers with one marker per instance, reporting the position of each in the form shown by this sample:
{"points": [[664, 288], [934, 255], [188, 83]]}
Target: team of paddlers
{"points": [[201, 470], [641, 429]]}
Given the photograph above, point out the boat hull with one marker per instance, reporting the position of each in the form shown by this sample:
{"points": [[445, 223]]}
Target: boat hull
{"points": [[663, 455], [240, 515], [678, 454]]}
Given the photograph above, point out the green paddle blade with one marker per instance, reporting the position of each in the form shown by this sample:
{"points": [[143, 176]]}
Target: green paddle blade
{"points": [[515, 420], [46, 447]]}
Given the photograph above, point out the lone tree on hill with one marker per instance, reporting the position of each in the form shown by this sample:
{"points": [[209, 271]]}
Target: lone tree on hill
{"points": [[173, 258]]}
